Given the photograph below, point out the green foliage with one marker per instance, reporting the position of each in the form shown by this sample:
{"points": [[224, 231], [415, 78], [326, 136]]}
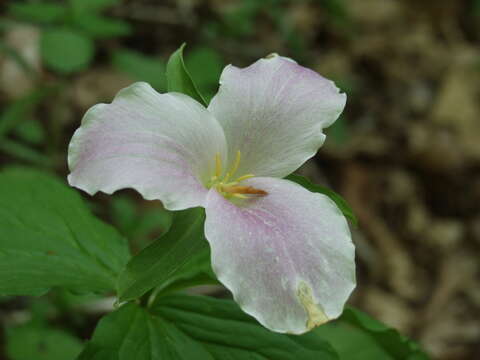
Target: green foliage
{"points": [[91, 6], [38, 12], [50, 239], [31, 131], [21, 109], [98, 26], [357, 336], [179, 79], [157, 263], [32, 341], [138, 225], [65, 50], [196, 271], [25, 153], [339, 201], [141, 67], [67, 45], [205, 66], [200, 328]]}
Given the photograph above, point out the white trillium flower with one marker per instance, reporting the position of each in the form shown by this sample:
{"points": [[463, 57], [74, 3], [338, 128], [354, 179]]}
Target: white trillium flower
{"points": [[284, 252]]}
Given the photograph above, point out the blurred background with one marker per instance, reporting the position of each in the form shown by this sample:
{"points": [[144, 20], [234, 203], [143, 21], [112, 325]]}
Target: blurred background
{"points": [[405, 153]]}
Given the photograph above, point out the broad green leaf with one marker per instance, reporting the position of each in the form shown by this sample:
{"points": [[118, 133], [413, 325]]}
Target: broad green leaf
{"points": [[103, 27], [39, 12], [30, 342], [65, 50], [157, 263], [48, 238], [205, 65], [228, 333], [179, 79], [357, 336], [339, 201], [133, 332], [193, 327], [141, 67], [197, 271]]}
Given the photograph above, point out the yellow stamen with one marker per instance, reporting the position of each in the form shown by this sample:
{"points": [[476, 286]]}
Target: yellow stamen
{"points": [[239, 196], [236, 163], [244, 177], [218, 165], [232, 189]]}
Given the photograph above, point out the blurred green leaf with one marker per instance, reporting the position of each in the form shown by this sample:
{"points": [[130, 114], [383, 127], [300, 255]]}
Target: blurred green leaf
{"points": [[102, 27], [31, 131], [338, 131], [476, 7], [195, 327], [66, 51], [339, 201], [240, 19], [18, 58], [153, 220], [205, 65], [155, 264], [141, 67], [49, 238], [32, 342], [25, 153], [91, 6], [357, 336], [21, 108], [39, 12], [179, 79]]}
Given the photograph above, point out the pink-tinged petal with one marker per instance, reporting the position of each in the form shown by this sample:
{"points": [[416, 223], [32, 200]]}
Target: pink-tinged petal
{"points": [[162, 145], [287, 257], [273, 112]]}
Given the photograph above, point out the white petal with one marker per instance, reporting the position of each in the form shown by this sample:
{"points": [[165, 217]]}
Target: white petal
{"points": [[287, 257], [162, 145], [273, 112]]}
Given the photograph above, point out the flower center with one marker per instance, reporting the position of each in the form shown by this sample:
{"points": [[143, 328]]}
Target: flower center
{"points": [[232, 188]]}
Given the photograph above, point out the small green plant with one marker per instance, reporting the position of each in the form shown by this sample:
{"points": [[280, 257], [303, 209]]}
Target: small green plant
{"points": [[69, 30]]}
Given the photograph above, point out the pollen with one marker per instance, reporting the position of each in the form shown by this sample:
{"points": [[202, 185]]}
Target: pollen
{"points": [[315, 314], [232, 189]]}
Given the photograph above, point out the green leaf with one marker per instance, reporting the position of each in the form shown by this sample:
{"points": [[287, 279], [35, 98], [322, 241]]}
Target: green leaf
{"points": [[65, 50], [141, 67], [205, 66], [30, 341], [157, 263], [21, 108], [91, 6], [102, 27], [31, 131], [48, 238], [25, 153], [179, 79], [197, 271], [38, 12], [339, 201], [19, 58], [357, 336], [193, 327]]}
